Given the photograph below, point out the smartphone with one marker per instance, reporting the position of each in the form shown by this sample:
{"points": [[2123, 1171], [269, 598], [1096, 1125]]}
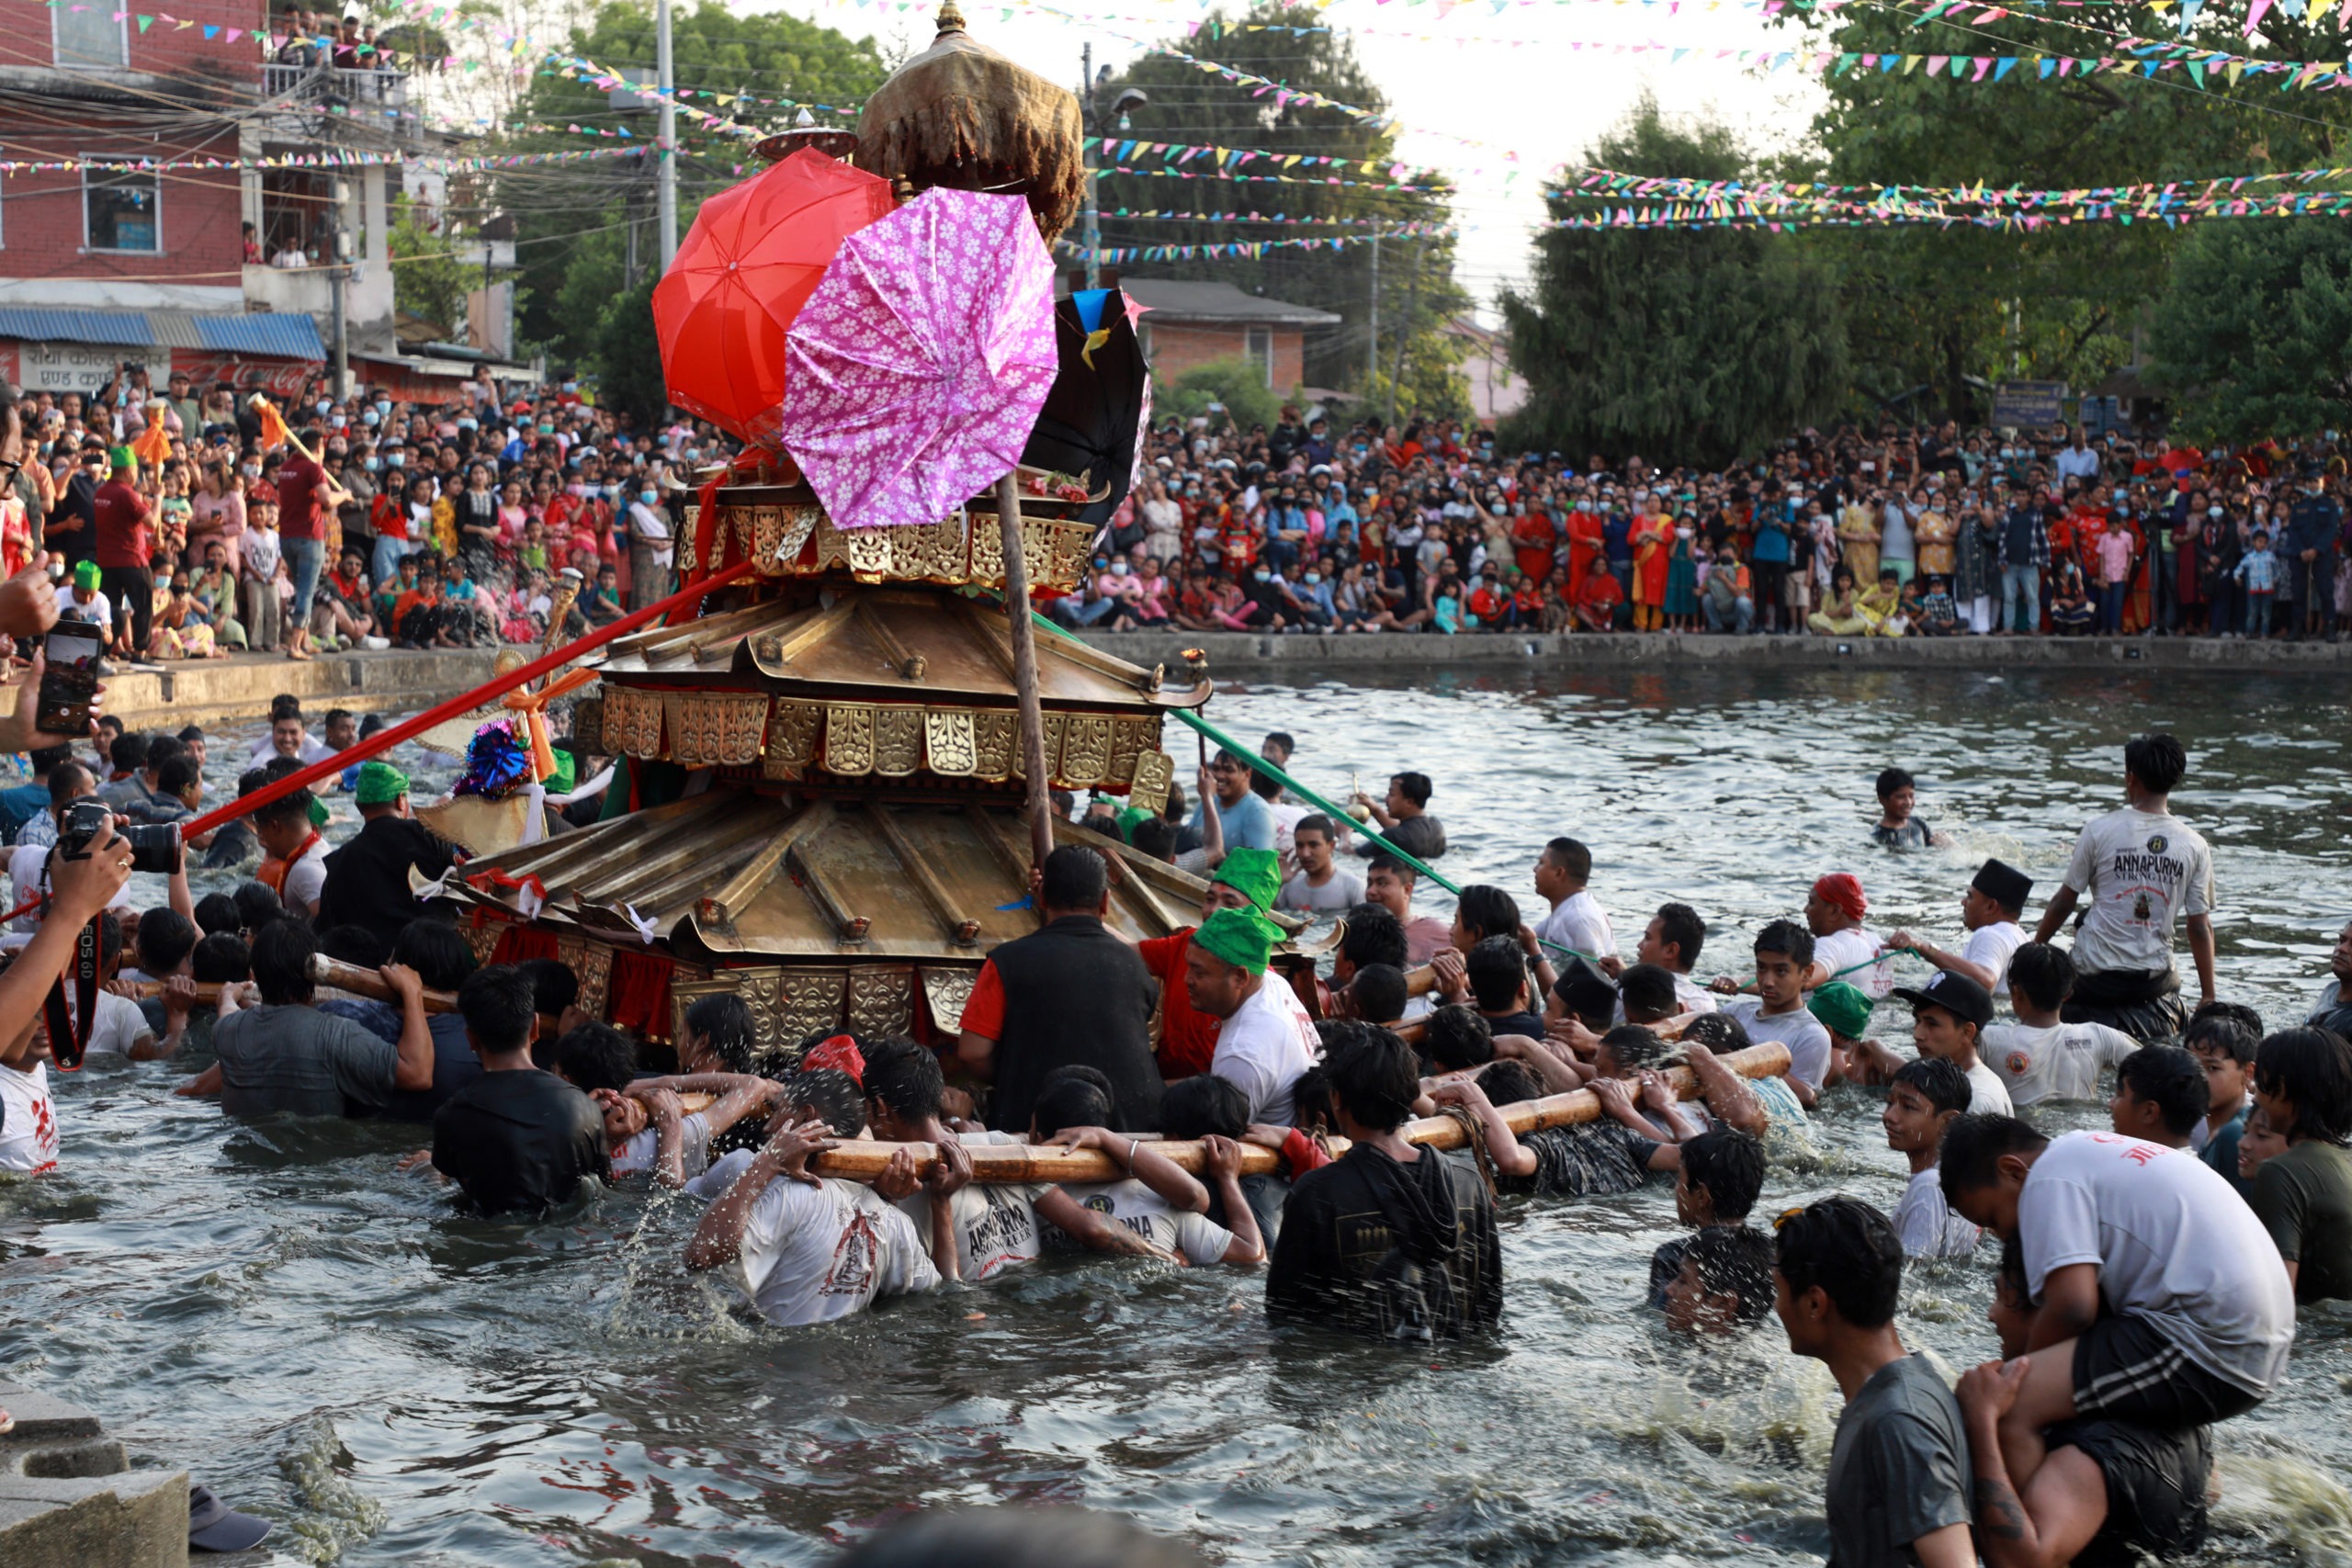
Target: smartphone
{"points": [[69, 683]]}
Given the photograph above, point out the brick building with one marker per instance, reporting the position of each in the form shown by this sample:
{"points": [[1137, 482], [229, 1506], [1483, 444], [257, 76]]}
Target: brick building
{"points": [[1191, 323], [135, 251]]}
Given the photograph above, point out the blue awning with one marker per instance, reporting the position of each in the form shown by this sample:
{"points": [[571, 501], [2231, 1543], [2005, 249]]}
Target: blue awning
{"points": [[290, 335], [38, 325]]}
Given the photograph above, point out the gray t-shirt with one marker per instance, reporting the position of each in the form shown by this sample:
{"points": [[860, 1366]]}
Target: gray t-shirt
{"points": [[2137, 872], [299, 1060], [1899, 1469], [1803, 1033], [1343, 891]]}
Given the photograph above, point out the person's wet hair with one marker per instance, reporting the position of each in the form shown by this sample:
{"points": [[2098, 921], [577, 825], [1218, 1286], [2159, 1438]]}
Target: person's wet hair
{"points": [[2043, 974], [1891, 779], [282, 951], [1455, 1037], [2232, 1028], [1071, 1102], [1943, 1086], [1374, 936], [1204, 1104], [1735, 1261], [1156, 836], [1647, 990], [1510, 1082], [553, 984], [221, 959], [1730, 1164], [1634, 1047], [438, 954], [166, 937], [1571, 857], [2312, 1068], [1075, 880], [2157, 761], [496, 1003], [906, 1077], [1788, 939], [1374, 1077], [1973, 1146], [830, 1096], [1586, 992], [177, 774], [1379, 993], [595, 1055], [1414, 787], [1848, 1250], [354, 944], [257, 905], [1495, 969], [2172, 1080], [724, 1022], [1487, 911], [128, 752]]}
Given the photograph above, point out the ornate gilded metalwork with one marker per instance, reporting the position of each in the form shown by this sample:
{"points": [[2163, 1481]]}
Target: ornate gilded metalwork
{"points": [[811, 1002], [1130, 738], [1037, 552], [592, 963], [687, 532], [717, 728], [849, 738], [935, 554], [948, 745], [1086, 749], [947, 991], [633, 721], [1155, 771], [952, 550], [996, 736], [1066, 553], [873, 553], [482, 940], [588, 726], [1055, 724], [882, 999], [793, 728], [898, 740], [988, 551]]}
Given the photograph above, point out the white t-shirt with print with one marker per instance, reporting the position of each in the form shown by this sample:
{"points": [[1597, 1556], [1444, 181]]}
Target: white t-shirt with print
{"points": [[814, 1254], [1994, 946], [1927, 1224], [29, 1133], [1579, 921], [2137, 872], [1196, 1238], [2173, 1242], [996, 1226], [1264, 1047], [2059, 1063], [1843, 950], [637, 1155], [1987, 1095]]}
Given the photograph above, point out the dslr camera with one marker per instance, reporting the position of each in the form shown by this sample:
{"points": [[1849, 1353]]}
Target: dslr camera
{"points": [[154, 847]]}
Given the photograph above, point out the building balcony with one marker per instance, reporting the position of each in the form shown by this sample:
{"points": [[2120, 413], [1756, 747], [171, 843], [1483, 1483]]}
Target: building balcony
{"points": [[288, 288], [363, 92]]}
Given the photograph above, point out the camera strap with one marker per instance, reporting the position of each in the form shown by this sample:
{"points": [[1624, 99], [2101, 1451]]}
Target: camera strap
{"points": [[68, 1032]]}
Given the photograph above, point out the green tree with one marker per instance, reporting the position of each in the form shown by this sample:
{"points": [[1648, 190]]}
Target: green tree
{"points": [[1236, 384], [1189, 107], [2254, 334], [573, 220], [428, 282], [1943, 309], [1689, 345], [627, 359]]}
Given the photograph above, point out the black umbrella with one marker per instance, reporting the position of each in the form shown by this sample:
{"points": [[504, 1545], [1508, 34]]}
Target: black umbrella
{"points": [[1101, 399]]}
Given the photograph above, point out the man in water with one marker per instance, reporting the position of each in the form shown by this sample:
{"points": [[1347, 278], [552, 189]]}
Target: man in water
{"points": [[2333, 1010], [2160, 1096], [1672, 941], [1071, 992], [1388, 881], [1245, 820], [1576, 923], [2042, 1057], [1320, 884], [367, 878], [1784, 952], [517, 1139], [1723, 1283], [1389, 1240], [1245, 879], [2164, 1302], [2141, 867], [1842, 950], [1898, 828], [1404, 818], [1264, 1039], [1898, 1491], [1988, 913], [286, 1056]]}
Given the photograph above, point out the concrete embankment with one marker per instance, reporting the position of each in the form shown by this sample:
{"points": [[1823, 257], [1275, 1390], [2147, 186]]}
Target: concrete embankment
{"points": [[216, 691]]}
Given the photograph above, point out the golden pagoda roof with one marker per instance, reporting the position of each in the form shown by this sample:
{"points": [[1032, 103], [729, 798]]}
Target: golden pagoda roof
{"points": [[744, 877]]}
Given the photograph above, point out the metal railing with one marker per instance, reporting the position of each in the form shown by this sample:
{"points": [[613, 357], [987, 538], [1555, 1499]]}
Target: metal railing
{"points": [[314, 83]]}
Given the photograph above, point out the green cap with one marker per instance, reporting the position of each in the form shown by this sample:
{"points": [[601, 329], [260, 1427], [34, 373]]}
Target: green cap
{"points": [[566, 774], [1841, 1008], [319, 813], [1241, 937], [1256, 874], [380, 784], [85, 575], [122, 458]]}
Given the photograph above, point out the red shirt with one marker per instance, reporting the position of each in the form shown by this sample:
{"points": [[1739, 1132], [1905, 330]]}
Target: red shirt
{"points": [[1187, 1039], [300, 484], [123, 516]]}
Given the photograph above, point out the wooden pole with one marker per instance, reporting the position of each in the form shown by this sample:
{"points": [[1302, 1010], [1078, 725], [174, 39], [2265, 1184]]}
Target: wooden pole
{"points": [[350, 978], [1024, 670], [1027, 1164]]}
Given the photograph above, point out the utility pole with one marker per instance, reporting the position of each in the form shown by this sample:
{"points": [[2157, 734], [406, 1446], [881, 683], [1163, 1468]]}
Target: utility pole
{"points": [[1405, 332], [1371, 362], [1092, 161], [666, 138], [337, 275]]}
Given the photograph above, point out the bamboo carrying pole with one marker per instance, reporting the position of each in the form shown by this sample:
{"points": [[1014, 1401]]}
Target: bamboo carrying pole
{"points": [[333, 972], [1027, 1164], [1039, 799]]}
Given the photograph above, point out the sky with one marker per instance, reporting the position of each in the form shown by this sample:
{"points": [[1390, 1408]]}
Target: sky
{"points": [[1507, 80]]}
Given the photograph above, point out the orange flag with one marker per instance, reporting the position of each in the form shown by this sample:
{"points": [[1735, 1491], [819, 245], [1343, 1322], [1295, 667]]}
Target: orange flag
{"points": [[154, 443], [273, 424]]}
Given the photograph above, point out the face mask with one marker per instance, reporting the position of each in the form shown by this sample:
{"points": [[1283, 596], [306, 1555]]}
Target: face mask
{"points": [[2212, 511], [467, 424], [1263, 575], [645, 496], [1118, 569], [395, 459], [575, 490], [384, 407], [612, 489], [370, 464], [324, 404], [250, 470], [1313, 578], [368, 418]]}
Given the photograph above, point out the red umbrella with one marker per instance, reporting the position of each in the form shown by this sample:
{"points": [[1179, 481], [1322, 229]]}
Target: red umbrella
{"points": [[745, 268]]}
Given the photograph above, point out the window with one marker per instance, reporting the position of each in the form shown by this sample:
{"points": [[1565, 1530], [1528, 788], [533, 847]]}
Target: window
{"points": [[1260, 350], [122, 211], [90, 38]]}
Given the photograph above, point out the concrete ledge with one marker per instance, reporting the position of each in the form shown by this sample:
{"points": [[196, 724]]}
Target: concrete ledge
{"points": [[213, 691], [69, 1496], [1483, 651]]}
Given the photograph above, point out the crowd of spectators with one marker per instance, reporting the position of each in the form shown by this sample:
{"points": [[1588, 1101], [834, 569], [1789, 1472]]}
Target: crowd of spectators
{"points": [[456, 522], [1314, 526]]}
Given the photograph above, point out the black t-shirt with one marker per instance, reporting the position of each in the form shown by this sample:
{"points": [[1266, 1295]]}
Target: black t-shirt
{"points": [[519, 1141], [1525, 1023], [366, 881], [1596, 1161], [1343, 1221]]}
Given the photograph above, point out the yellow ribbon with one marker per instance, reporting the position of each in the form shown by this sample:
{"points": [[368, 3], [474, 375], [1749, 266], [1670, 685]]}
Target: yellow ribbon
{"points": [[1094, 340]]}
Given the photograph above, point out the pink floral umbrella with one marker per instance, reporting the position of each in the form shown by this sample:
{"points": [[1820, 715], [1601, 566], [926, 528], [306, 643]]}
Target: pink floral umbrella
{"points": [[918, 363]]}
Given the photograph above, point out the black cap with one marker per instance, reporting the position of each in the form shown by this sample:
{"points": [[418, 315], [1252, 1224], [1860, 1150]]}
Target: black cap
{"points": [[2004, 883], [1956, 994], [1584, 987], [213, 1525]]}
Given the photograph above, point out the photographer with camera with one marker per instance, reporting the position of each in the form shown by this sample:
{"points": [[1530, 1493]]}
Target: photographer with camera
{"points": [[81, 819], [81, 889]]}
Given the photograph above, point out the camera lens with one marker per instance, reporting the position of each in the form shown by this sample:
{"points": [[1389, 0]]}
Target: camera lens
{"points": [[155, 847]]}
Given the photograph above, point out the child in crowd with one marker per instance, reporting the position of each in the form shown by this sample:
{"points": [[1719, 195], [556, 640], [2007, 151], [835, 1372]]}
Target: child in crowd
{"points": [[1898, 828], [1722, 1174], [2041, 1057], [1725, 1284], [1925, 1097], [2223, 1037], [2303, 1081], [258, 559], [1783, 952], [2257, 569], [2160, 1096]]}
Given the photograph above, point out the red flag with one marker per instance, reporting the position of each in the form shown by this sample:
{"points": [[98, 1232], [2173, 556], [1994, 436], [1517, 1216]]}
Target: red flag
{"points": [[274, 431]]}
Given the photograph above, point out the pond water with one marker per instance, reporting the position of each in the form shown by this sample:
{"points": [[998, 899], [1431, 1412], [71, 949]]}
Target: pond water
{"points": [[325, 1342]]}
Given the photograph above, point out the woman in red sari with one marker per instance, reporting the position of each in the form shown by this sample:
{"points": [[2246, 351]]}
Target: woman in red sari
{"points": [[1586, 541], [1531, 536]]}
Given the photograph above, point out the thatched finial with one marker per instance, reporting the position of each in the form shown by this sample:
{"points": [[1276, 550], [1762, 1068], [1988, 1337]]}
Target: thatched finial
{"points": [[951, 20]]}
